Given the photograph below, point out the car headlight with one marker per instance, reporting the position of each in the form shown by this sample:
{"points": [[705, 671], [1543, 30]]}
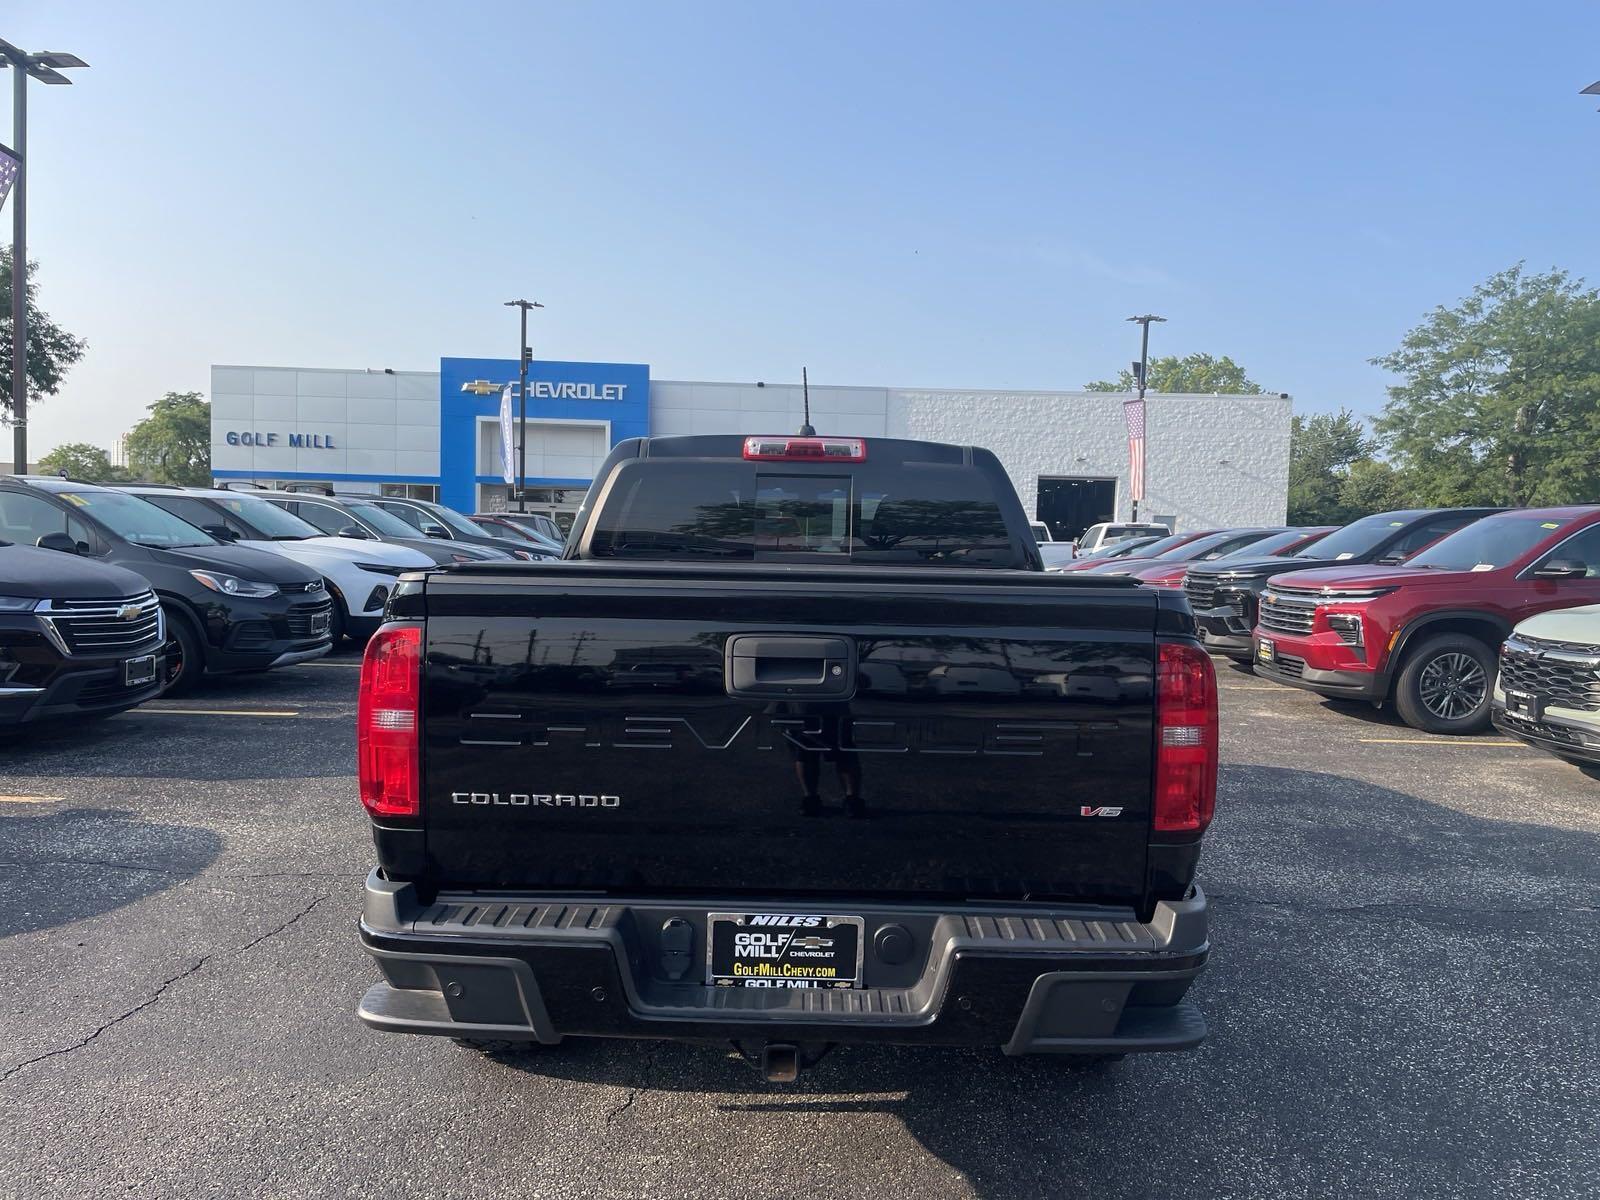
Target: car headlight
{"points": [[17, 604], [384, 568], [232, 585]]}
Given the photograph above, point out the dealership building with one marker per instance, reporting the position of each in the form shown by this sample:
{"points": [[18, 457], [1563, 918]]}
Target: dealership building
{"points": [[1211, 460]]}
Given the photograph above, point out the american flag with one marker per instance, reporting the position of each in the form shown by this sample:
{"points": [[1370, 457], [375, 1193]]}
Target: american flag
{"points": [[1133, 413], [10, 164]]}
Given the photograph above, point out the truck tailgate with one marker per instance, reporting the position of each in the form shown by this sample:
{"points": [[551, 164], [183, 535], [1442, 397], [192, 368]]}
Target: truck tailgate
{"points": [[580, 732]]}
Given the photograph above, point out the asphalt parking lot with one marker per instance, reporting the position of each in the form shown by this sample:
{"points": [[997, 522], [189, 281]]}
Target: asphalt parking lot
{"points": [[1402, 996]]}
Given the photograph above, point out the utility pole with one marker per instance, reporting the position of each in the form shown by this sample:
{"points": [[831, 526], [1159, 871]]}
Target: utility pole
{"points": [[1136, 440], [522, 388], [42, 67]]}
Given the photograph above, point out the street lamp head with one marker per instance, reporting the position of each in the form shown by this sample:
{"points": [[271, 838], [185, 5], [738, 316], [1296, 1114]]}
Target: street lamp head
{"points": [[58, 58], [522, 304], [1147, 318]]}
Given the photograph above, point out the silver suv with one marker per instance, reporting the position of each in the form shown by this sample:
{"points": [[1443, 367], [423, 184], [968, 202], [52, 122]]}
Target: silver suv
{"points": [[1547, 692]]}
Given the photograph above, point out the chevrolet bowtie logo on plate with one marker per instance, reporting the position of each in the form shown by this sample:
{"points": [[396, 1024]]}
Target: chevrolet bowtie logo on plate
{"points": [[131, 612], [481, 387]]}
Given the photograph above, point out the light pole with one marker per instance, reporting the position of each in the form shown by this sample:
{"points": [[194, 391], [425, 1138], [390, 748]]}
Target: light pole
{"points": [[43, 67], [522, 388], [1136, 431]]}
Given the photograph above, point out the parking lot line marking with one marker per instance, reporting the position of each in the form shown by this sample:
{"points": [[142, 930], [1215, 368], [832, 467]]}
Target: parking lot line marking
{"points": [[217, 712], [1431, 742], [29, 799]]}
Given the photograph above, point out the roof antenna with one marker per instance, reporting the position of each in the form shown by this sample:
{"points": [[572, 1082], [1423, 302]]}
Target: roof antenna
{"points": [[805, 388]]}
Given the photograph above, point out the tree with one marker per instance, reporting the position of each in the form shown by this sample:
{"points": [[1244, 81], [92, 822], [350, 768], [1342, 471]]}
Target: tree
{"points": [[173, 444], [1333, 476], [80, 460], [1198, 374], [1499, 399], [52, 351]]}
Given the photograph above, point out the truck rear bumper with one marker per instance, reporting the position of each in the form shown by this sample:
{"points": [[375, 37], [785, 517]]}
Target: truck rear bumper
{"points": [[1036, 980]]}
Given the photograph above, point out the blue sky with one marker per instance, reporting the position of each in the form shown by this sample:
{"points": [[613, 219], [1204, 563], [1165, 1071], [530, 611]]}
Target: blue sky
{"points": [[930, 194]]}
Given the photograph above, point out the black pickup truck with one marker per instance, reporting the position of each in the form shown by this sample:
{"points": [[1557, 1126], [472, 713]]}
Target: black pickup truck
{"points": [[800, 746]]}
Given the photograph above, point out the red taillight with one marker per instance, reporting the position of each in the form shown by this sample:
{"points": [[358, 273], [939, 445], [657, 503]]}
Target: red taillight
{"points": [[805, 449], [387, 737], [1186, 739]]}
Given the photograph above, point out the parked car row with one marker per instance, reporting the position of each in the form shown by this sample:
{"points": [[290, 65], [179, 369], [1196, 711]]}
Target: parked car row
{"points": [[112, 595], [1457, 617]]}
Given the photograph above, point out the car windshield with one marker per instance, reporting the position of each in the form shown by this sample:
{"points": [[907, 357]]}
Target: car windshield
{"points": [[1160, 546], [509, 529], [1357, 538], [1213, 545], [1273, 543], [1122, 549], [1490, 543], [137, 521], [381, 519], [450, 517], [272, 521]]}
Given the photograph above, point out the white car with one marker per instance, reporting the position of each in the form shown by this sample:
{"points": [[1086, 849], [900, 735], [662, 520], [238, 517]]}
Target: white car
{"points": [[359, 573], [1547, 690], [1041, 532], [1097, 536]]}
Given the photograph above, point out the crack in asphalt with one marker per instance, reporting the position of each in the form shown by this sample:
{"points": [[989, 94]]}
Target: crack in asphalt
{"points": [[633, 1092], [157, 994]]}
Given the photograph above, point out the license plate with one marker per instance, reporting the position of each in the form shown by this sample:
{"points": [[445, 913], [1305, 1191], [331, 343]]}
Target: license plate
{"points": [[138, 670], [1527, 705], [783, 950], [1265, 649], [320, 624]]}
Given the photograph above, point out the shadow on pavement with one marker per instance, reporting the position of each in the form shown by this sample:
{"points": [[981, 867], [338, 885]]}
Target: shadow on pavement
{"points": [[1368, 947], [66, 866]]}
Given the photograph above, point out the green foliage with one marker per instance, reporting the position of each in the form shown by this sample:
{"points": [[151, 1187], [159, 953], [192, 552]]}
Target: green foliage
{"points": [[1499, 399], [52, 351], [1199, 374], [173, 444], [1333, 476], [80, 460]]}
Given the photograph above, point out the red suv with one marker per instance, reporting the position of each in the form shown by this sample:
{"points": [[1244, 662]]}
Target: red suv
{"points": [[1424, 635]]}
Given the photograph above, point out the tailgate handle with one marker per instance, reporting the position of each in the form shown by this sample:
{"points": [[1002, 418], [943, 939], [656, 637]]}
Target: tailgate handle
{"points": [[780, 666]]}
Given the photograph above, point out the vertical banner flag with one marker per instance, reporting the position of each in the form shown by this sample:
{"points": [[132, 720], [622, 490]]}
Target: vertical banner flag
{"points": [[1133, 413], [10, 164], [507, 470]]}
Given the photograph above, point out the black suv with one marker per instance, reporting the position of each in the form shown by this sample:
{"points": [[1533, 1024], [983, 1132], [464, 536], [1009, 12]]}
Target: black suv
{"points": [[359, 517], [77, 639], [437, 521], [1226, 594], [228, 608]]}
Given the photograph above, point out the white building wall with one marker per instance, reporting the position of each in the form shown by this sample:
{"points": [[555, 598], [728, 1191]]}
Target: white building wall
{"points": [[1210, 461], [380, 423]]}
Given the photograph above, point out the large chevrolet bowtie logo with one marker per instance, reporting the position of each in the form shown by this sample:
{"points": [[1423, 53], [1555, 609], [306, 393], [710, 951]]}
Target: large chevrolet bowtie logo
{"points": [[131, 612], [481, 387]]}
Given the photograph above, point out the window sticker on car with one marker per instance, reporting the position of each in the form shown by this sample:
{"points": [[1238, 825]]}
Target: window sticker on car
{"points": [[1550, 525], [1396, 524], [1483, 566], [1345, 555]]}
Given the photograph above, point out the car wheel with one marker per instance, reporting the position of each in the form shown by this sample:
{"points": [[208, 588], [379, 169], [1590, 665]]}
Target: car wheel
{"points": [[337, 620], [1446, 685], [186, 657]]}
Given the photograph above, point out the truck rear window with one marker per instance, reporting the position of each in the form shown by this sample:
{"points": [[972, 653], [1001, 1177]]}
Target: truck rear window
{"points": [[911, 513]]}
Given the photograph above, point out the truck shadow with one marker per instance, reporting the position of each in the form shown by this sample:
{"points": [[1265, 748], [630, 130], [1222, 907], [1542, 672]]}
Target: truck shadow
{"points": [[1367, 944], [67, 866]]}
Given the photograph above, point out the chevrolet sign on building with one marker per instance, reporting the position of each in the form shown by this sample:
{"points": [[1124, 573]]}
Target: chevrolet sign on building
{"points": [[1211, 461]]}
